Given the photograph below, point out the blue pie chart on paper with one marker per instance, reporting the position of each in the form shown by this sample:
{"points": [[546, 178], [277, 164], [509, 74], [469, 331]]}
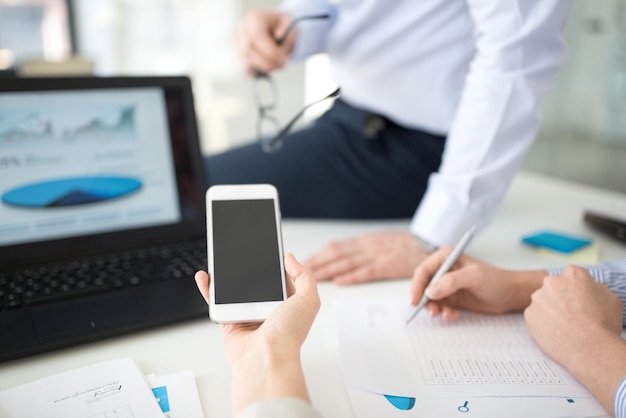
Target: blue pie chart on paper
{"points": [[403, 403], [71, 191]]}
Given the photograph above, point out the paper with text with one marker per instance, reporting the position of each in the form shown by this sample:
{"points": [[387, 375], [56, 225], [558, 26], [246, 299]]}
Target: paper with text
{"points": [[113, 388], [477, 355]]}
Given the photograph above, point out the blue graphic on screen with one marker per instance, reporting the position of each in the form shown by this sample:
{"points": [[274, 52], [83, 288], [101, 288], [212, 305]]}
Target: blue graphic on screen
{"points": [[401, 402], [160, 394], [71, 191]]}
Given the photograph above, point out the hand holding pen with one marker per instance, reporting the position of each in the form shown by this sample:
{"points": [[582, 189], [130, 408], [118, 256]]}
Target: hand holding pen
{"points": [[473, 285], [443, 269]]}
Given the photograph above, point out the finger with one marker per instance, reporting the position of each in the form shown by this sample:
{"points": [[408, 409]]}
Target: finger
{"points": [[359, 274], [293, 268], [332, 251], [425, 272], [291, 289], [552, 285], [255, 59], [292, 271], [302, 278], [267, 34], [202, 281], [304, 284], [257, 45], [433, 308], [284, 30], [449, 284], [572, 270], [536, 299], [449, 313], [260, 60], [530, 315], [353, 269]]}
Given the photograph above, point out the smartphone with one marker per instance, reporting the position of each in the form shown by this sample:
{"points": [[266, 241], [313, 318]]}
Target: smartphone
{"points": [[245, 252]]}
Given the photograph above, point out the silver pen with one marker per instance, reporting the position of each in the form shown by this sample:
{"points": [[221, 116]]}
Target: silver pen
{"points": [[443, 269]]}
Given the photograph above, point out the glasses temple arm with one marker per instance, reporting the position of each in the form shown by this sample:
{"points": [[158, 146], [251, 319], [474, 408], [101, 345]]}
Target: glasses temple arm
{"points": [[289, 28], [288, 127]]}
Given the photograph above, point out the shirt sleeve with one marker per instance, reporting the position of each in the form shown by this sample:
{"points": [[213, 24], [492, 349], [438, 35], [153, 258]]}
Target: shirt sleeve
{"points": [[619, 402], [279, 408], [518, 51], [312, 34]]}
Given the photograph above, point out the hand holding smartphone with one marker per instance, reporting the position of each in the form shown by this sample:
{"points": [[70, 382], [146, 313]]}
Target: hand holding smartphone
{"points": [[245, 252]]}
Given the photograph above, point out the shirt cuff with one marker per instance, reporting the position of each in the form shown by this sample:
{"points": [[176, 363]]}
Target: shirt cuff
{"points": [[442, 220], [311, 34]]}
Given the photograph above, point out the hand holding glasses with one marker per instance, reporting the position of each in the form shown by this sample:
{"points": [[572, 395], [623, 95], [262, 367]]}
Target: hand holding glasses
{"points": [[269, 133]]}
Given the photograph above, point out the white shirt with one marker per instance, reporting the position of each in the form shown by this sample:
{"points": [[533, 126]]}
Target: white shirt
{"points": [[472, 69]]}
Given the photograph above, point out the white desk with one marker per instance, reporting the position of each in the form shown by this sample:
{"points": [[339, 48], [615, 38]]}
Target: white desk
{"points": [[533, 202]]}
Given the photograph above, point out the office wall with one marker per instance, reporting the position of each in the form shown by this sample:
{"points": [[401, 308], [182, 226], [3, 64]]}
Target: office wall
{"points": [[194, 37], [583, 137]]}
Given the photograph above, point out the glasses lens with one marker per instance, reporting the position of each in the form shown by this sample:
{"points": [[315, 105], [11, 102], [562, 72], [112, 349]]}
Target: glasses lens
{"points": [[267, 128], [265, 92]]}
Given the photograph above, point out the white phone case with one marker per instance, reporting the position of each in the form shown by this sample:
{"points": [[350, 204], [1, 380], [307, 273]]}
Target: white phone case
{"points": [[243, 311]]}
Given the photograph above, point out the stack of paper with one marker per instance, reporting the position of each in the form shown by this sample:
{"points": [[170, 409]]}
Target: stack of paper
{"points": [[115, 388], [479, 365]]}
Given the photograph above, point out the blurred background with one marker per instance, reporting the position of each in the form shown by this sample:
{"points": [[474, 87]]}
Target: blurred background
{"points": [[583, 137]]}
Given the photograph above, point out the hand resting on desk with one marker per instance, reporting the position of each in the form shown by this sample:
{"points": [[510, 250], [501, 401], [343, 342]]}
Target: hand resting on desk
{"points": [[578, 323], [374, 256]]}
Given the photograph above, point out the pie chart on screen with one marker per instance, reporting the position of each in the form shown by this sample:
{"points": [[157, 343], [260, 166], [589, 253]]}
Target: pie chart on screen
{"points": [[71, 191]]}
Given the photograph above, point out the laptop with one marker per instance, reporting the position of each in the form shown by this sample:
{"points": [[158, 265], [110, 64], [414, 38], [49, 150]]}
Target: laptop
{"points": [[102, 217]]}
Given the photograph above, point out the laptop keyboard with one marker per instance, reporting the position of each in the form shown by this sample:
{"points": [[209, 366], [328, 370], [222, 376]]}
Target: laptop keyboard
{"points": [[81, 277]]}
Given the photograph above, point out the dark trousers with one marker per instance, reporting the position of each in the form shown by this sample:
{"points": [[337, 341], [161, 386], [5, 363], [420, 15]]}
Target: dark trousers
{"points": [[339, 167]]}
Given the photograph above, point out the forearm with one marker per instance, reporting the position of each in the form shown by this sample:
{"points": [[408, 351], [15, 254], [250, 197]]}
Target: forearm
{"points": [[497, 116], [600, 365], [262, 374], [525, 282]]}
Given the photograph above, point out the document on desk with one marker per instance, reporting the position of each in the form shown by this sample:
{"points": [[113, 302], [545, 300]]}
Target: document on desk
{"points": [[113, 388], [476, 355], [177, 395], [367, 404]]}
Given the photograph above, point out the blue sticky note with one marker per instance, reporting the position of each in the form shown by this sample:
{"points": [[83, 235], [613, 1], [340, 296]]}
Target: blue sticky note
{"points": [[556, 241]]}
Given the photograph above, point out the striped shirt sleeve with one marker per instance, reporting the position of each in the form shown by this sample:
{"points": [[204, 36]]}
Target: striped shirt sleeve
{"points": [[610, 273], [619, 402]]}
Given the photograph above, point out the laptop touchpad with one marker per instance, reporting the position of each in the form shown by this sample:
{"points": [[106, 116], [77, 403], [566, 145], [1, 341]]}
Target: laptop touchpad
{"points": [[86, 315]]}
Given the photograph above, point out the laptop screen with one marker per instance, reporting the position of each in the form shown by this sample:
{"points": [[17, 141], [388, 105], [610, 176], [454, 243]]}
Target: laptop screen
{"points": [[83, 162], [97, 156]]}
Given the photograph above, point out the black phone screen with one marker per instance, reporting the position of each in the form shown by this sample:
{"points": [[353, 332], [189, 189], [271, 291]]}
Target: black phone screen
{"points": [[246, 256]]}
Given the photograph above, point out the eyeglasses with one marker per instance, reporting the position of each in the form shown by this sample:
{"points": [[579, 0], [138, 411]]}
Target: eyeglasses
{"points": [[269, 133]]}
